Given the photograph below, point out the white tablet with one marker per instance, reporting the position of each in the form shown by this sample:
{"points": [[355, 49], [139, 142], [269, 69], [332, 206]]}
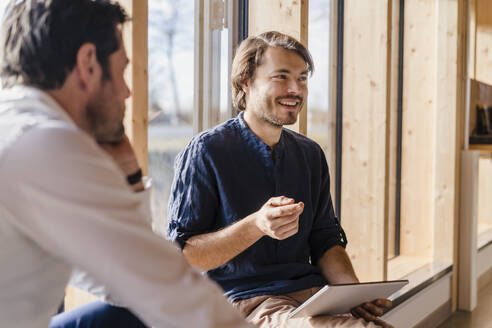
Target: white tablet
{"points": [[339, 299]]}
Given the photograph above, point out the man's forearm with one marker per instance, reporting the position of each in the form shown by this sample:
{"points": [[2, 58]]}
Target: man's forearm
{"points": [[211, 250], [337, 267]]}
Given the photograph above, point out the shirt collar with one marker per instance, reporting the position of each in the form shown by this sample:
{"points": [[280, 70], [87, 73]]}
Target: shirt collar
{"points": [[21, 92], [254, 140]]}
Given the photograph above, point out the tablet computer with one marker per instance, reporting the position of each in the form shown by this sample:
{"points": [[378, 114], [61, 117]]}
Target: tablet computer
{"points": [[339, 299]]}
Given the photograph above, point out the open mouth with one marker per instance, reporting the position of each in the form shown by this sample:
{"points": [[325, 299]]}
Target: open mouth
{"points": [[289, 103]]}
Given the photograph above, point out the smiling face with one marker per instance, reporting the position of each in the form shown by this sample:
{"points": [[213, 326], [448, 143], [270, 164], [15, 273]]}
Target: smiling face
{"points": [[276, 93]]}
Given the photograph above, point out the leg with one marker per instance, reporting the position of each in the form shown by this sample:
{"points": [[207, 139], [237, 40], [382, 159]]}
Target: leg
{"points": [[96, 314], [273, 311]]}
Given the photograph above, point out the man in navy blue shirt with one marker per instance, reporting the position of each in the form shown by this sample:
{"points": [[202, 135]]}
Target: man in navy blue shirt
{"points": [[251, 204]]}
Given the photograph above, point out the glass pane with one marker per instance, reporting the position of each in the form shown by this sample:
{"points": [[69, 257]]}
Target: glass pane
{"points": [[320, 121], [225, 105], [171, 78]]}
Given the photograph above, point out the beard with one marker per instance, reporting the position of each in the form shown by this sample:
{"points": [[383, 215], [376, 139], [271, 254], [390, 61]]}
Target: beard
{"points": [[106, 128], [265, 110]]}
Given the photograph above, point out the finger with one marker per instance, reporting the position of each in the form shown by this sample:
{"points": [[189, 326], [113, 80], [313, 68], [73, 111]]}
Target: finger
{"points": [[285, 235], [373, 309], [287, 231], [382, 323], [364, 314], [286, 210], [277, 223], [381, 302], [280, 201], [280, 226], [354, 313]]}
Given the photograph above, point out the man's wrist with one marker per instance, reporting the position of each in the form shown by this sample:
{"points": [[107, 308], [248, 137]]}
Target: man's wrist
{"points": [[253, 228]]}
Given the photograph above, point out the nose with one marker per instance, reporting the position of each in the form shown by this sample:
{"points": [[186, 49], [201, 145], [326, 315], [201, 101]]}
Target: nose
{"points": [[294, 87], [128, 92]]}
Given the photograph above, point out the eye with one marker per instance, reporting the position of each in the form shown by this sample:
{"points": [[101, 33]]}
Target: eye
{"points": [[280, 77], [303, 78]]}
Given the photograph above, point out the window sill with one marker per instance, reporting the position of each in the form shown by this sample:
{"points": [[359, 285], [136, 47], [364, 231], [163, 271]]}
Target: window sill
{"points": [[403, 265], [420, 279], [484, 235]]}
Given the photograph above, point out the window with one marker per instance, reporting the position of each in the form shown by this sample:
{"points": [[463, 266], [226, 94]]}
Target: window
{"points": [[396, 224], [320, 106], [171, 80], [428, 124], [189, 60]]}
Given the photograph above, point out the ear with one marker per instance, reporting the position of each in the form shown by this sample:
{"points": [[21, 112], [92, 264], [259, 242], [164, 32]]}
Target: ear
{"points": [[88, 68]]}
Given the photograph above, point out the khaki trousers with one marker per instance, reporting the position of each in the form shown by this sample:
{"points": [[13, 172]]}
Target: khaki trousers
{"points": [[273, 311]]}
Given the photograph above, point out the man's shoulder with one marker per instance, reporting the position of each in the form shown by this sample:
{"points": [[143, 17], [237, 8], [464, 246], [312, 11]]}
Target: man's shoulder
{"points": [[302, 141], [215, 139], [41, 142]]}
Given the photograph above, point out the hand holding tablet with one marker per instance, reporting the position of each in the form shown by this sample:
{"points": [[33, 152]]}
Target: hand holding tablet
{"points": [[364, 298], [369, 311]]}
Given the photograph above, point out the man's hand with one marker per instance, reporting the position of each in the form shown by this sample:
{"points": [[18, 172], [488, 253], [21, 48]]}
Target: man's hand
{"points": [[370, 311], [124, 156], [279, 217]]}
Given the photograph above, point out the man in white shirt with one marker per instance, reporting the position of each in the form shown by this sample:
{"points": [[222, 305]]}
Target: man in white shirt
{"points": [[72, 193]]}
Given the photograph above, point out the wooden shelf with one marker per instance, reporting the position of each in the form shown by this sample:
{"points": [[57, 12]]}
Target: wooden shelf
{"points": [[481, 147]]}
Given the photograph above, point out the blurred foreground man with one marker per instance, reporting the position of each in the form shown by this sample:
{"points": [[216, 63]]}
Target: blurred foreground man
{"points": [[251, 200], [72, 192]]}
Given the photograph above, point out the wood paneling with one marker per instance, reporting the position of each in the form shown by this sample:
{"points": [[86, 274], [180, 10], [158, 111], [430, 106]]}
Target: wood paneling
{"points": [[365, 101], [467, 286], [472, 37], [419, 120], [75, 297], [444, 193], [464, 9], [485, 191], [135, 37]]}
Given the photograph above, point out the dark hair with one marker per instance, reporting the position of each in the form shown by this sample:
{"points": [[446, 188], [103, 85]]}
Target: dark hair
{"points": [[249, 56], [39, 39]]}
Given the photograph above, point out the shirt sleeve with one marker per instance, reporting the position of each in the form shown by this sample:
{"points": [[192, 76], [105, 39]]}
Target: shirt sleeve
{"points": [[70, 198], [194, 201], [327, 231]]}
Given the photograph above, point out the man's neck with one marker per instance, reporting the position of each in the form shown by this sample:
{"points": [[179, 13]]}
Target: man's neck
{"points": [[267, 132]]}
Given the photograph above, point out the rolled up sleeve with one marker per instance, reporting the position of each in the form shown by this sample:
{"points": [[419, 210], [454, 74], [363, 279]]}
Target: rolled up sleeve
{"points": [[193, 202]]}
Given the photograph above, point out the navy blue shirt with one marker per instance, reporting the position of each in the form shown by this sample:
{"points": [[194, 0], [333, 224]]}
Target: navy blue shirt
{"points": [[227, 173]]}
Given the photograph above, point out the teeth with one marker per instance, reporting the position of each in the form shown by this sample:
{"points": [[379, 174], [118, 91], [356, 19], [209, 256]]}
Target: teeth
{"points": [[288, 103]]}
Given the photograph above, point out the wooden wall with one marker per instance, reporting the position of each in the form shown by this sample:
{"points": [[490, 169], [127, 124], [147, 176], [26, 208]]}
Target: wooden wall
{"points": [[429, 128], [365, 103], [135, 38]]}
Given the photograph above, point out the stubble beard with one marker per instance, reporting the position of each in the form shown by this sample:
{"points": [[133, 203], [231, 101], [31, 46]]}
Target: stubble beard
{"points": [[103, 128], [268, 116]]}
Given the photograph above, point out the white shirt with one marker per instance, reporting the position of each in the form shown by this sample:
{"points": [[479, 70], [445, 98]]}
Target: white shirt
{"points": [[65, 203]]}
